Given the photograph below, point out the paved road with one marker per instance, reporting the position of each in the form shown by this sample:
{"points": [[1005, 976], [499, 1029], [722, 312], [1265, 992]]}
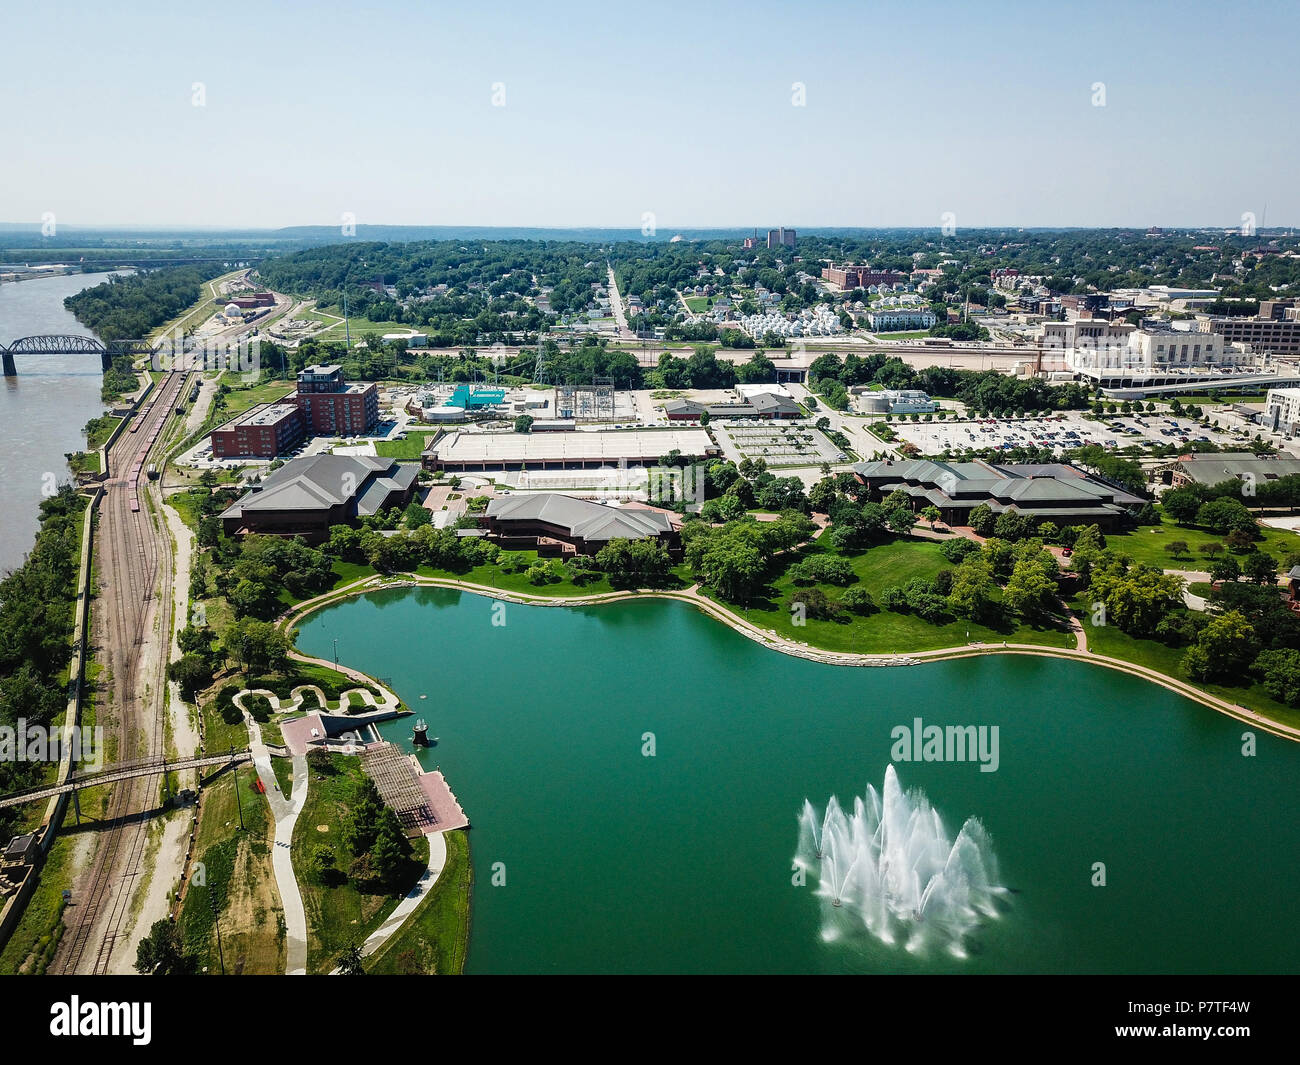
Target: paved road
{"points": [[616, 304]]}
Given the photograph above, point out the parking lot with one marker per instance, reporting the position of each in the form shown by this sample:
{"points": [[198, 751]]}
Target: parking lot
{"points": [[781, 445], [1061, 432]]}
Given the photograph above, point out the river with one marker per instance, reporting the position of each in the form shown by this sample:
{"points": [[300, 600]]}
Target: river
{"points": [[611, 861], [43, 409]]}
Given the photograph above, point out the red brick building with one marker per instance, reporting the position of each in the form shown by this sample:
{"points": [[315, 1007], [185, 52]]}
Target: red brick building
{"points": [[332, 407], [851, 277], [265, 431]]}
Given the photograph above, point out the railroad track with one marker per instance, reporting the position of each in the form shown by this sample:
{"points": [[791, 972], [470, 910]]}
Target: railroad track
{"points": [[133, 554]]}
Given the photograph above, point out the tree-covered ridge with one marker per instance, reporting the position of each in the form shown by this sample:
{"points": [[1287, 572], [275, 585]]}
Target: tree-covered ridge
{"points": [[129, 308]]}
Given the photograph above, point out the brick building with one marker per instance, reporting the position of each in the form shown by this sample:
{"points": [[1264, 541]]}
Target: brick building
{"points": [[264, 431]]}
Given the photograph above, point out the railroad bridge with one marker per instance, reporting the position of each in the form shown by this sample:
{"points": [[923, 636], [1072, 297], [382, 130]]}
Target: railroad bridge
{"points": [[60, 344]]}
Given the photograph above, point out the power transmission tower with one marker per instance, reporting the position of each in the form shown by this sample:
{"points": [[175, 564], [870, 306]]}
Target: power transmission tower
{"points": [[542, 368]]}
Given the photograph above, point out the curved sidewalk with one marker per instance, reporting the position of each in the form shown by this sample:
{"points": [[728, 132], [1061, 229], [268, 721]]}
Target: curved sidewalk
{"points": [[285, 811], [771, 639]]}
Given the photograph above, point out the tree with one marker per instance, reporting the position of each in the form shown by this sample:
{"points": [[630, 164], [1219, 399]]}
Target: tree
{"points": [[1178, 549], [258, 646], [857, 601], [1279, 672], [931, 514], [1225, 647], [1030, 591], [524, 423], [1224, 569], [982, 519], [1181, 504], [972, 589], [350, 963], [816, 604], [641, 563], [415, 515], [1226, 515], [1259, 568], [1136, 598], [900, 520], [162, 951], [1211, 550]]}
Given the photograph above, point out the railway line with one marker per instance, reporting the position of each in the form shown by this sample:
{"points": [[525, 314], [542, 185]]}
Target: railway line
{"points": [[134, 554]]}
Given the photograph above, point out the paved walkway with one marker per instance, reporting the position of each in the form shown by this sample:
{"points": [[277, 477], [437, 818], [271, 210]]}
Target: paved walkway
{"points": [[404, 909], [772, 639], [285, 812]]}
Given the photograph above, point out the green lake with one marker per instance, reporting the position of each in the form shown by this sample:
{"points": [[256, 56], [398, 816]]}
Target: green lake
{"points": [[682, 862]]}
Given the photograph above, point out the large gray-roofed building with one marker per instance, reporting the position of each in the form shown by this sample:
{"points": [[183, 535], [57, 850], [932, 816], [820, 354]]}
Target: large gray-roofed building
{"points": [[308, 495], [585, 526], [1212, 468], [1048, 491], [461, 452]]}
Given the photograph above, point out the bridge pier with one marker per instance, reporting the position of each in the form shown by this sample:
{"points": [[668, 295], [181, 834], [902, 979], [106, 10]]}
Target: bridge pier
{"points": [[10, 369], [105, 361]]}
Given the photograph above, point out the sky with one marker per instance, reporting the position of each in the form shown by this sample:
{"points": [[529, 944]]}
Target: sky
{"points": [[670, 116]]}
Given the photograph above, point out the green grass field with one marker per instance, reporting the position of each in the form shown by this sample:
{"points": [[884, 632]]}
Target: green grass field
{"points": [[885, 565], [359, 327], [1147, 544], [435, 938], [916, 334], [241, 398], [408, 450], [1109, 640], [338, 914]]}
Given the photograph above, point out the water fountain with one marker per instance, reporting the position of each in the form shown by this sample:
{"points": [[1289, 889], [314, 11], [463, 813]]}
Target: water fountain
{"points": [[888, 867]]}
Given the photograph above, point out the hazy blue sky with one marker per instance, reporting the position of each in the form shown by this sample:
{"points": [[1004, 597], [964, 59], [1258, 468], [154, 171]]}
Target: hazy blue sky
{"points": [[685, 110]]}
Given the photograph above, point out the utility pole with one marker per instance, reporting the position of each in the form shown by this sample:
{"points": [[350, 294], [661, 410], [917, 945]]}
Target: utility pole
{"points": [[238, 802]]}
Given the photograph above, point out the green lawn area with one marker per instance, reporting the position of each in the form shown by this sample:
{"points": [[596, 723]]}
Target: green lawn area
{"points": [[1109, 640], [698, 304], [435, 937], [242, 397], [339, 914], [916, 334], [1147, 543], [407, 450], [885, 631], [359, 328]]}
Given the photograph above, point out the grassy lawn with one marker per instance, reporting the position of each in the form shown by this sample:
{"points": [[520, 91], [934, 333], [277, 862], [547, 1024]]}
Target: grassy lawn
{"points": [[698, 304], [283, 768], [494, 577], [241, 397], [916, 334], [407, 450], [885, 631], [35, 938], [359, 328], [1109, 640], [238, 878], [218, 735], [339, 914], [435, 937], [1147, 544]]}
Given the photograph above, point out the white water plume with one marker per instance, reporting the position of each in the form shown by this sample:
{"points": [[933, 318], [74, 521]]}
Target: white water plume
{"points": [[888, 867]]}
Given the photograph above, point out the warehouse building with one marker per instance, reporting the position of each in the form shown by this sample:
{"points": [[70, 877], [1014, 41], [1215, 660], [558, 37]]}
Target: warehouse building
{"points": [[765, 405], [458, 451], [305, 496]]}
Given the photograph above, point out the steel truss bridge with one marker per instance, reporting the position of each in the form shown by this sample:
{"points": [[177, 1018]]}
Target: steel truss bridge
{"points": [[60, 344], [124, 771]]}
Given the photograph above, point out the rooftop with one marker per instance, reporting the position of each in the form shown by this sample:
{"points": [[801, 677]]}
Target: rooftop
{"points": [[590, 521], [608, 444]]}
